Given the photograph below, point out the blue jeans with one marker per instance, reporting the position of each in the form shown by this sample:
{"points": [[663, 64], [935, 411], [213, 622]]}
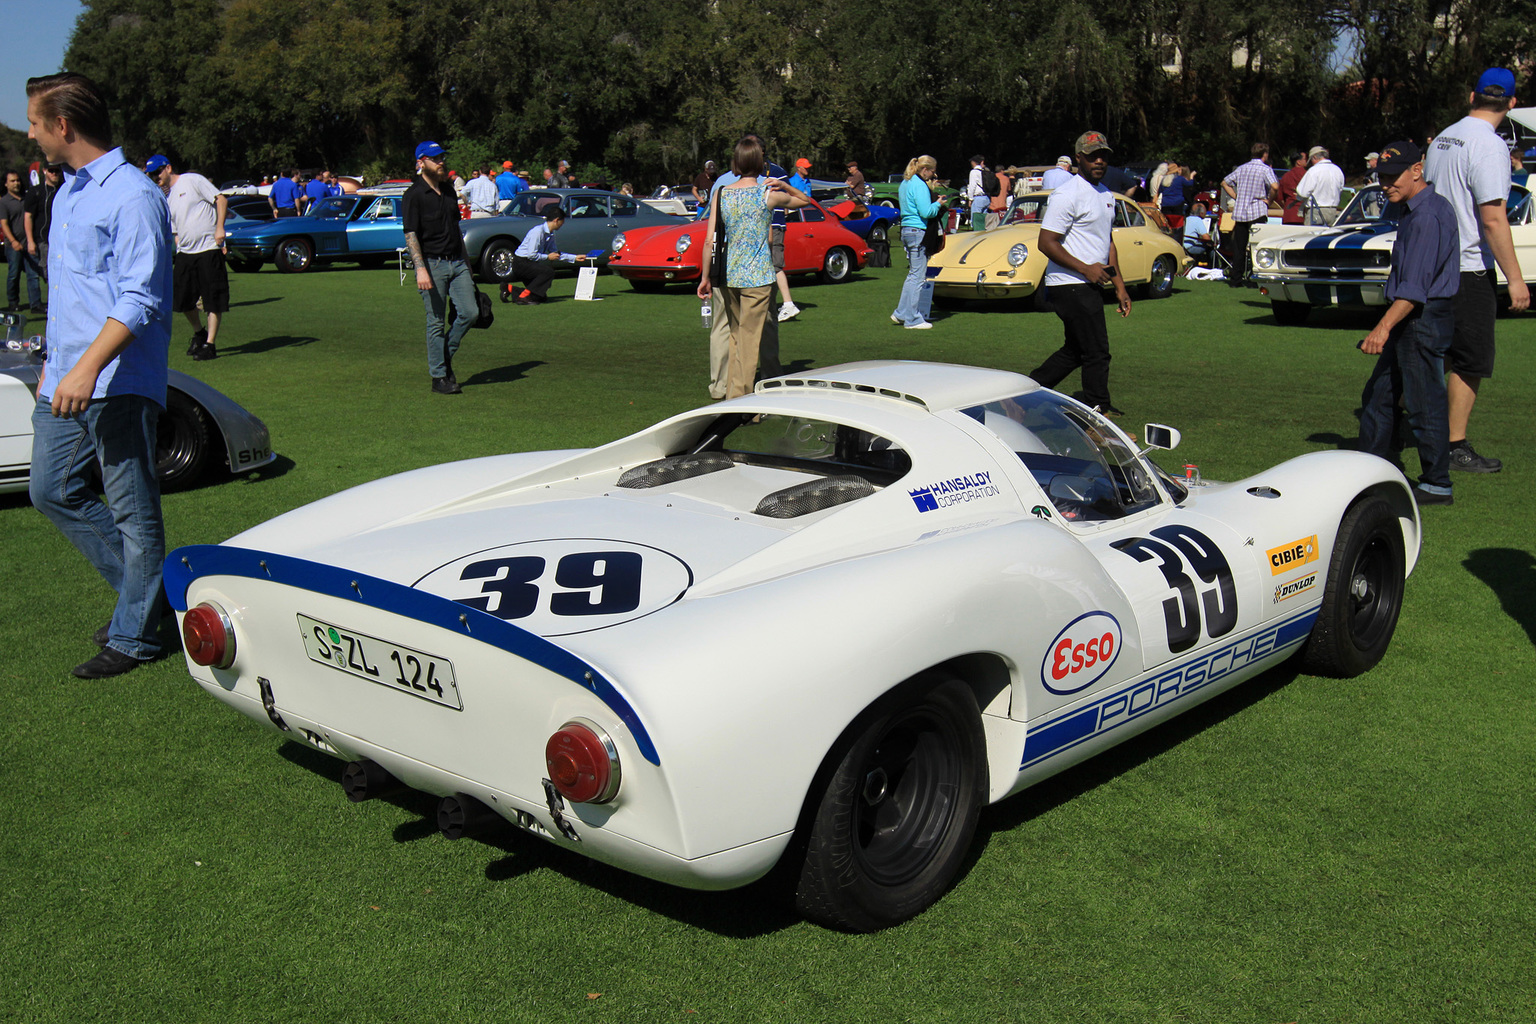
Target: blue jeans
{"points": [[450, 280], [16, 261], [979, 207], [126, 541], [1413, 366], [917, 273]]}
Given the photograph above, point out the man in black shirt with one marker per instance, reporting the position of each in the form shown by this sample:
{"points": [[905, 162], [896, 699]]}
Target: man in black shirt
{"points": [[38, 204], [430, 215]]}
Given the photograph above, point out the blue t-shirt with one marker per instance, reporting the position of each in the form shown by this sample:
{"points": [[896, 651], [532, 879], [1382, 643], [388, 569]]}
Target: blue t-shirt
{"points": [[315, 189], [285, 194]]}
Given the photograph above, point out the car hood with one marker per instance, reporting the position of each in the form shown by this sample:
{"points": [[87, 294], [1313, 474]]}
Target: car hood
{"points": [[987, 247], [1361, 236], [288, 226]]}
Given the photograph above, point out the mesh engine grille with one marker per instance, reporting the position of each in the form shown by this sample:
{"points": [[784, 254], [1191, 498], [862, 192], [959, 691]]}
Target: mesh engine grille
{"points": [[674, 468], [813, 496]]}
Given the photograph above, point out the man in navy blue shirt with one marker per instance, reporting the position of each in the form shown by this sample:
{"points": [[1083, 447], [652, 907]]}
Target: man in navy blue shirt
{"points": [[1412, 338]]}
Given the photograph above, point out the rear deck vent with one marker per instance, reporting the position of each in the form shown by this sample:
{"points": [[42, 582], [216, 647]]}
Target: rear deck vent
{"points": [[813, 496], [674, 468]]}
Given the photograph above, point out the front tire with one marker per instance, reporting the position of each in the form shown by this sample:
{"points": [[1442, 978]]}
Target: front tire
{"points": [[1290, 314], [898, 813], [1363, 595], [496, 261], [838, 267], [294, 255], [182, 442]]}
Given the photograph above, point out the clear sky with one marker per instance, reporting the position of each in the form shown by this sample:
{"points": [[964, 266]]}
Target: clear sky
{"points": [[36, 33]]}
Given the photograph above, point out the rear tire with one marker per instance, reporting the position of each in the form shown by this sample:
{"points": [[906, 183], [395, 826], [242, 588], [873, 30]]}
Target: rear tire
{"points": [[1363, 595], [838, 267], [896, 818], [1290, 314], [1160, 285], [182, 442]]}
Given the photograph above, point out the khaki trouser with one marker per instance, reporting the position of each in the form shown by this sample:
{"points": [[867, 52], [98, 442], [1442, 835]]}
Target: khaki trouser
{"points": [[747, 310], [720, 346]]}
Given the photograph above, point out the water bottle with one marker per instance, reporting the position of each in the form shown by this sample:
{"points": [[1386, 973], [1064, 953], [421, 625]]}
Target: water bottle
{"points": [[706, 316]]}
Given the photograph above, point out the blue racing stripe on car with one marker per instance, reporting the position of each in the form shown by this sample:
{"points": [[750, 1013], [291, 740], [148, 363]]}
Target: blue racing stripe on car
{"points": [[184, 565], [1162, 688]]}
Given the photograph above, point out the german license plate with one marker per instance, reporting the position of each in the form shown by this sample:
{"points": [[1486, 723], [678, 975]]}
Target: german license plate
{"points": [[381, 661]]}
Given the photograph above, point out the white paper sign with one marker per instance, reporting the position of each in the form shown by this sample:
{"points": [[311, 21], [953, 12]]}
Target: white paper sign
{"points": [[586, 281]]}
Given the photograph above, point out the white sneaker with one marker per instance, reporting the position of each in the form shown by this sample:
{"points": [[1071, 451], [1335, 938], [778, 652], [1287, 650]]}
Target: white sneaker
{"points": [[921, 325], [788, 311], [895, 319]]}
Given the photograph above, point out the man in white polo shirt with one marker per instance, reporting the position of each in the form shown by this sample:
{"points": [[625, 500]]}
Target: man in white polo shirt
{"points": [[1323, 184], [1076, 237], [1468, 164]]}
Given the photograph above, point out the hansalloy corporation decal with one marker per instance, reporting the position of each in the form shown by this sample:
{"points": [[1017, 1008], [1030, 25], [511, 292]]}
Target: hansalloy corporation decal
{"points": [[953, 491]]}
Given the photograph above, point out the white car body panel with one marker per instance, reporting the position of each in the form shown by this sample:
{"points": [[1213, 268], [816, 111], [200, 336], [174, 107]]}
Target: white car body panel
{"points": [[725, 685]]}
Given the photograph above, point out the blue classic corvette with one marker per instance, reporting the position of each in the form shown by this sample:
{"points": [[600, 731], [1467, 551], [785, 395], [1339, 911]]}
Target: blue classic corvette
{"points": [[362, 228]]}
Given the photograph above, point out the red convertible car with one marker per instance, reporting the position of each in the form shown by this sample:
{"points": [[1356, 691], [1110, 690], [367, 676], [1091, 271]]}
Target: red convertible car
{"points": [[815, 242]]}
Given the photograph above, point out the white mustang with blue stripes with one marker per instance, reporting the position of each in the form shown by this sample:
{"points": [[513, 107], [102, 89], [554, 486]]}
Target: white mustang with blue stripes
{"points": [[821, 624], [1347, 264]]}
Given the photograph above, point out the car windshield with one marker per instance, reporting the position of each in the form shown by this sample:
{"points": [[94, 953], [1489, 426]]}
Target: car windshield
{"points": [[332, 207], [530, 203], [1369, 206], [1026, 210], [1079, 460]]}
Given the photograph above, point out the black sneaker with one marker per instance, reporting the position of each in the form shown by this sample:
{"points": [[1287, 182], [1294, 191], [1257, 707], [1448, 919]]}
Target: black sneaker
{"points": [[443, 386], [1466, 459], [198, 341], [1422, 497], [205, 352]]}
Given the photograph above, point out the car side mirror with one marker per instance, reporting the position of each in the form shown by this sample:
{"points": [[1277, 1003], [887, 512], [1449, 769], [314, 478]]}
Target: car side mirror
{"points": [[1159, 436]]}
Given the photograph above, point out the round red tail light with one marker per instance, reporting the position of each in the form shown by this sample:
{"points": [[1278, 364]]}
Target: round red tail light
{"points": [[208, 636], [583, 763]]}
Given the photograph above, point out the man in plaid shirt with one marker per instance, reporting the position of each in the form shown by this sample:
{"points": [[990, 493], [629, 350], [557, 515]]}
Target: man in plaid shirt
{"points": [[1251, 185]]}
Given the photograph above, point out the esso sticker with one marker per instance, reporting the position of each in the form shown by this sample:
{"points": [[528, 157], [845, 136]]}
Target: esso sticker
{"points": [[1081, 653], [559, 587]]}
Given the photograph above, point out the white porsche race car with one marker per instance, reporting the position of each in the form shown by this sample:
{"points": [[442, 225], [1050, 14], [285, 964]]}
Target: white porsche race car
{"points": [[822, 624]]}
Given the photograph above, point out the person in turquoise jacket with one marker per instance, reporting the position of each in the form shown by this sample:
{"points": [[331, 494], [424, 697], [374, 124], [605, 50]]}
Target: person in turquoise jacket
{"points": [[919, 208]]}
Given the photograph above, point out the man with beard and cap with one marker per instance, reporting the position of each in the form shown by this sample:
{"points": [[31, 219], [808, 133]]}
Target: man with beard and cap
{"points": [[1076, 236]]}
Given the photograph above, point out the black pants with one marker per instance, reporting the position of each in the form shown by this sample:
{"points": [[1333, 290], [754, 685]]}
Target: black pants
{"points": [[535, 275], [1081, 309], [1240, 267]]}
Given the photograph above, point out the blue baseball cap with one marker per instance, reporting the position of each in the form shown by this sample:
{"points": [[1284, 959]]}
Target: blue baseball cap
{"points": [[430, 149], [1496, 82], [154, 163]]}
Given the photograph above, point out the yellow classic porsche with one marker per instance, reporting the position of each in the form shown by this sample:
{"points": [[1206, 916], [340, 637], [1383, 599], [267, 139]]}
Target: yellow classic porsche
{"points": [[1006, 262]]}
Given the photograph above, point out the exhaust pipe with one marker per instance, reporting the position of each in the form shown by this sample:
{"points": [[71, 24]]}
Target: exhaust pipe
{"points": [[459, 816], [367, 780]]}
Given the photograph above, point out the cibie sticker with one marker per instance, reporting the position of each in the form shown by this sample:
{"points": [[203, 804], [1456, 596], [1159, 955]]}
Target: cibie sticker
{"points": [[1293, 555], [558, 587], [1081, 653]]}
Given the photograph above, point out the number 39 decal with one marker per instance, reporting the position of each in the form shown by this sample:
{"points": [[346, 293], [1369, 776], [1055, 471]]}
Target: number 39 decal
{"points": [[555, 587], [1174, 547]]}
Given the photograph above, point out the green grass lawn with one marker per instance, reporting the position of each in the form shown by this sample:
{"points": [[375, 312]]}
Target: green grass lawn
{"points": [[1299, 849]]}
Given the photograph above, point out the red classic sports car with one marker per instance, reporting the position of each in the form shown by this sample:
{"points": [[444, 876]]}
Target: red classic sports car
{"points": [[815, 242]]}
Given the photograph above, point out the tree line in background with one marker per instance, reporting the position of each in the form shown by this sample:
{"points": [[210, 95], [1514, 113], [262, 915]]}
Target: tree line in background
{"points": [[645, 92]]}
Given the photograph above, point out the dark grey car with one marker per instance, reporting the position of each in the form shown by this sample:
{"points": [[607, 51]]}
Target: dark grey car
{"points": [[592, 218]]}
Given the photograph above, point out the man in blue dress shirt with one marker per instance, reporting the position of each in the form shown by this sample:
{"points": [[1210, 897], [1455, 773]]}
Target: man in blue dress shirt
{"points": [[103, 387], [1412, 338]]}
